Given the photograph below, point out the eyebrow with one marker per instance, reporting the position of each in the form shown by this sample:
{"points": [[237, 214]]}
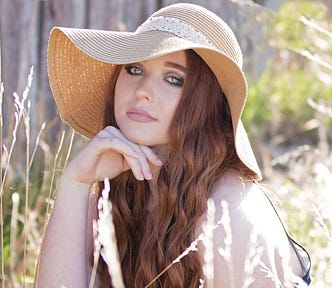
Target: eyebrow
{"points": [[176, 65]]}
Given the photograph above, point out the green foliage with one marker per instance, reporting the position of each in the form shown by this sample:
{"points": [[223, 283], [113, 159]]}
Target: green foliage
{"points": [[277, 110], [299, 69], [43, 175], [281, 98], [277, 105], [288, 32]]}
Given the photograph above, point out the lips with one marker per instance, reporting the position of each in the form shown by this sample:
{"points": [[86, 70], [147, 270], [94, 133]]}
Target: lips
{"points": [[140, 115]]}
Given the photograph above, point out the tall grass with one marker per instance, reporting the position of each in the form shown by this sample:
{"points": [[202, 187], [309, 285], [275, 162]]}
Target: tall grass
{"points": [[26, 191], [302, 175], [301, 179], [304, 185]]}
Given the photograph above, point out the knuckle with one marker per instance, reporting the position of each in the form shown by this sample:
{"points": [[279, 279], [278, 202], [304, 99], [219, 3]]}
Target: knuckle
{"points": [[103, 139], [101, 134], [111, 129]]}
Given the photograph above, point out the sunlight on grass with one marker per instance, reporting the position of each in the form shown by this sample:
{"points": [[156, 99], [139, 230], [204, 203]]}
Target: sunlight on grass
{"points": [[290, 101]]}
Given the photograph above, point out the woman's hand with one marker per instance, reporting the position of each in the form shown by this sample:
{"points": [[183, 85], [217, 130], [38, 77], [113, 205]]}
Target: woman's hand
{"points": [[109, 154]]}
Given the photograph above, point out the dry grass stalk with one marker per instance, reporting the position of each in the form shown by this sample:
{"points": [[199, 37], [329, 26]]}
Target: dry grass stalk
{"points": [[69, 148], [13, 233], [1, 199], [49, 200], [322, 224], [323, 109], [26, 118], [225, 221], [312, 24], [208, 226], [291, 279], [21, 112], [270, 274], [96, 253], [315, 58], [106, 237], [201, 283], [252, 260], [192, 248], [41, 130]]}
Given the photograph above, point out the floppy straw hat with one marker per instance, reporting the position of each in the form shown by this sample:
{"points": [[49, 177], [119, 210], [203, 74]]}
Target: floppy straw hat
{"points": [[81, 61]]}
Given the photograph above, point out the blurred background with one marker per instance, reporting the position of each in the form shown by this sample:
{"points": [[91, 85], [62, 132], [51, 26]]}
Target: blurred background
{"points": [[287, 47]]}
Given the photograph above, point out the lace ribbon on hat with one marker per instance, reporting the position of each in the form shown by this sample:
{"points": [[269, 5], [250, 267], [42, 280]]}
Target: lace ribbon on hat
{"points": [[176, 27]]}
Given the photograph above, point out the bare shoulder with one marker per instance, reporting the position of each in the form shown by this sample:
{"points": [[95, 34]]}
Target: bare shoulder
{"points": [[249, 241], [248, 207]]}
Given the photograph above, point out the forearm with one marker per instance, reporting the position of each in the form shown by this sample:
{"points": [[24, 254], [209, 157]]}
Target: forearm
{"points": [[63, 255], [63, 260]]}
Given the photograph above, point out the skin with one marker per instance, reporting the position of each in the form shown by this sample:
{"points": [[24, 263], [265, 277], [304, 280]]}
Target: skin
{"points": [[257, 236], [146, 97]]}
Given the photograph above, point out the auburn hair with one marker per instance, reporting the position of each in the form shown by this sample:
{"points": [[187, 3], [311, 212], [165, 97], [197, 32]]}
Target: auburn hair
{"points": [[201, 142]]}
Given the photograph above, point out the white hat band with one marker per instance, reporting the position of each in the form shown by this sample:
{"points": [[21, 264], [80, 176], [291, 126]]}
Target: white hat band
{"points": [[176, 27]]}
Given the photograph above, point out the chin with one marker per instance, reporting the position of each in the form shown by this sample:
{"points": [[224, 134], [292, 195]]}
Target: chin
{"points": [[140, 138]]}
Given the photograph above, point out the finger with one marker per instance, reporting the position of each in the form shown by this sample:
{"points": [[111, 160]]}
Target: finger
{"points": [[151, 156], [135, 166], [105, 141], [139, 167], [145, 165]]}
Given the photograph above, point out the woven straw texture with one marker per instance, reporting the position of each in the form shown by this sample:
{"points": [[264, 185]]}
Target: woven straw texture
{"points": [[81, 62]]}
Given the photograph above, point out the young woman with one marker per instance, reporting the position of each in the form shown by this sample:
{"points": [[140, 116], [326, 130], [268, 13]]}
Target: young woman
{"points": [[162, 106]]}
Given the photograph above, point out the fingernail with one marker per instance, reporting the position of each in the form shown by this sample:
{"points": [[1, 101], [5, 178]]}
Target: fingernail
{"points": [[149, 175], [140, 176], [159, 162], [135, 155]]}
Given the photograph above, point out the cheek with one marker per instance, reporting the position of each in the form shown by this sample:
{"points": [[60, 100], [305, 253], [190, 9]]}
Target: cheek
{"points": [[118, 98], [172, 105], [171, 113], [116, 104]]}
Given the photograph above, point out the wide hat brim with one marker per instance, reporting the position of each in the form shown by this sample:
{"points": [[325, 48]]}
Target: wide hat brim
{"points": [[81, 62]]}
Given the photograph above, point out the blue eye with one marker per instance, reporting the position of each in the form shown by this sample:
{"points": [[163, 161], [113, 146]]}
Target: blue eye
{"points": [[134, 70], [176, 81]]}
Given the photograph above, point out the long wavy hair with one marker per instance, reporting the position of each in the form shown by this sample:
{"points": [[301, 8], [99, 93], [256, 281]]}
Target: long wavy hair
{"points": [[202, 149]]}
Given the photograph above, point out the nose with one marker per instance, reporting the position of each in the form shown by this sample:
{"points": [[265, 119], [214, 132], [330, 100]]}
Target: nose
{"points": [[144, 90]]}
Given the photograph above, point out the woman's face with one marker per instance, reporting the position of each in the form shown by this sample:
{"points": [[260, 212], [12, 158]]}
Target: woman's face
{"points": [[146, 96]]}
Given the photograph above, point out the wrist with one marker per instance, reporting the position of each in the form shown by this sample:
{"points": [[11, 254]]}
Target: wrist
{"points": [[69, 186]]}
